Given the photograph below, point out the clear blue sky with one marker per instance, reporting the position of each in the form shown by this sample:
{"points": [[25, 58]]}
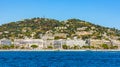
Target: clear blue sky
{"points": [[102, 12]]}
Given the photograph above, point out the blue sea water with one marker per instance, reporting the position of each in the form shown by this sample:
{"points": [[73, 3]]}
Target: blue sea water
{"points": [[59, 59]]}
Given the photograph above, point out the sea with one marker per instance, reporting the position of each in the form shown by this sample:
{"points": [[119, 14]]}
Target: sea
{"points": [[59, 59]]}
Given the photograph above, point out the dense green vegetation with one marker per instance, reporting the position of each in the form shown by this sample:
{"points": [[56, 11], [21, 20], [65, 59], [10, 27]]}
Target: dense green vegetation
{"points": [[32, 28], [9, 46], [64, 46], [105, 46]]}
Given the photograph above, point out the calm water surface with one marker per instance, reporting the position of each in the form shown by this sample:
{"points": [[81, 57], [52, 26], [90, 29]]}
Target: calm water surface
{"points": [[59, 59]]}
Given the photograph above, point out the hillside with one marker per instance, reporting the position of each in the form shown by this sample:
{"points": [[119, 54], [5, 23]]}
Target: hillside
{"points": [[71, 28]]}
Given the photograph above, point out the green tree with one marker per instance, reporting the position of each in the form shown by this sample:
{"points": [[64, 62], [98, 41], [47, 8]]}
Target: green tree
{"points": [[85, 46], [64, 46], [76, 47], [113, 47], [92, 47], [16, 47], [49, 47], [22, 47], [12, 46], [34, 46], [5, 47], [105, 46]]}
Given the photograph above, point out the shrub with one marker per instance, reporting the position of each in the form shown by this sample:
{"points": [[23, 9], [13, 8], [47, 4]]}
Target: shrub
{"points": [[34, 46], [105, 46], [49, 47], [64, 46]]}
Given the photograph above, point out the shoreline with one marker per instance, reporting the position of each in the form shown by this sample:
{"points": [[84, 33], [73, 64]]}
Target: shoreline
{"points": [[59, 50]]}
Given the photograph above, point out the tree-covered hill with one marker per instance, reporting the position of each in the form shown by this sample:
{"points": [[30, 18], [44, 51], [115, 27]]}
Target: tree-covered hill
{"points": [[71, 27]]}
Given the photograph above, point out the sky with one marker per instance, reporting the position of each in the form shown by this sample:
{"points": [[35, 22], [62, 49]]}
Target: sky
{"points": [[101, 12]]}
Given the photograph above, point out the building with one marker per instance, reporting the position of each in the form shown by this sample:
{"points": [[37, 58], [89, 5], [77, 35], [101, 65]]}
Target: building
{"points": [[77, 42], [116, 43], [58, 43], [81, 29], [60, 35], [1, 33], [48, 43], [83, 33], [47, 36], [29, 42], [5, 42], [96, 43]]}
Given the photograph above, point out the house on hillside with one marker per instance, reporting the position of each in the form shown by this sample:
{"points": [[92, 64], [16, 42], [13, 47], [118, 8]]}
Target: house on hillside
{"points": [[60, 35], [47, 36], [96, 43], [83, 33], [81, 29]]}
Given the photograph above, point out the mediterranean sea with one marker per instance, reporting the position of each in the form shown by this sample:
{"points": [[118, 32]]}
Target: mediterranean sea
{"points": [[59, 59]]}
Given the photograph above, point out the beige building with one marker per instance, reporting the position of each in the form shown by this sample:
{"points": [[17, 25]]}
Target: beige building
{"points": [[81, 29], [96, 43], [62, 35], [83, 33]]}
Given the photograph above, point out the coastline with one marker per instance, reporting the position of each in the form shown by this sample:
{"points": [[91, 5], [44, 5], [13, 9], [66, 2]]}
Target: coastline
{"points": [[60, 50]]}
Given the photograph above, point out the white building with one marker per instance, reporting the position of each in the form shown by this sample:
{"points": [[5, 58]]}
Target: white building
{"points": [[29, 42], [48, 43], [59, 43], [78, 42], [115, 42], [5, 42]]}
